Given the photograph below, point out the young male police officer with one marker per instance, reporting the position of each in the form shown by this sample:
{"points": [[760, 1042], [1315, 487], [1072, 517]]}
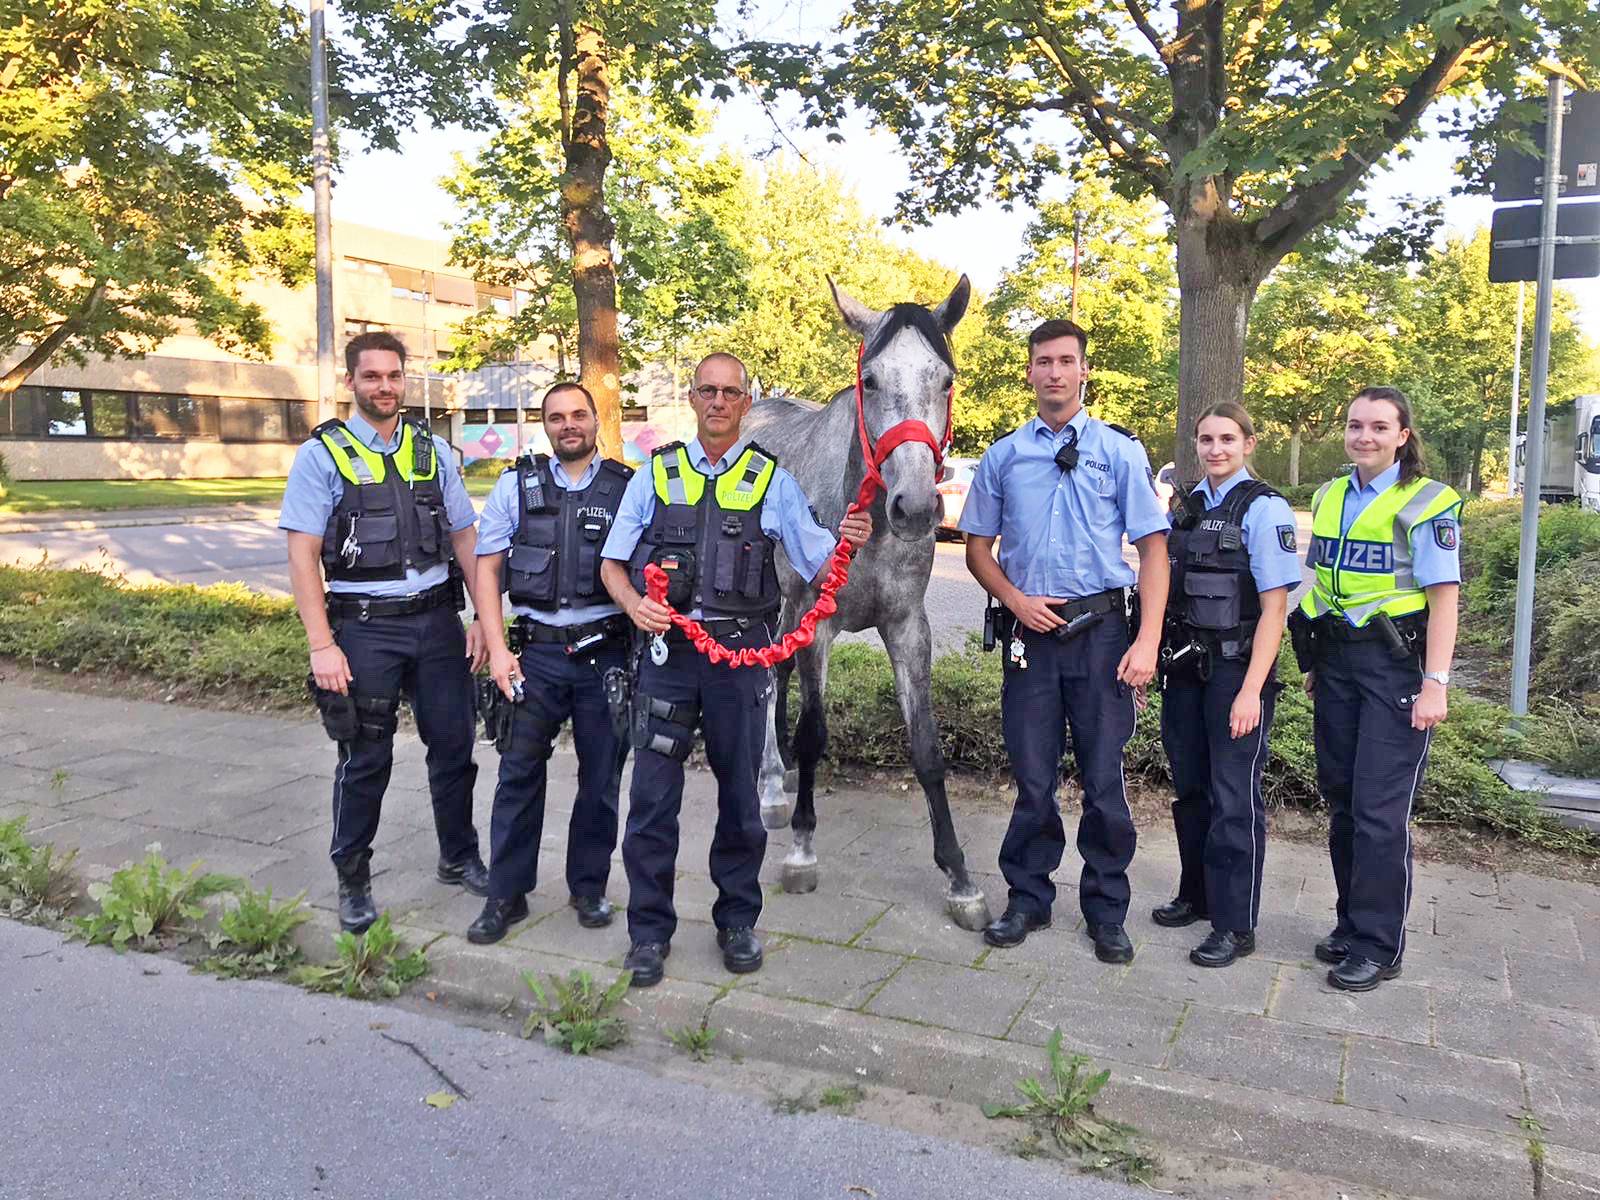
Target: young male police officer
{"points": [[1060, 493], [711, 514], [376, 504], [542, 531]]}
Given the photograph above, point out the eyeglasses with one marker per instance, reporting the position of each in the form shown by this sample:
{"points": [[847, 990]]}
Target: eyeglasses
{"points": [[709, 392]]}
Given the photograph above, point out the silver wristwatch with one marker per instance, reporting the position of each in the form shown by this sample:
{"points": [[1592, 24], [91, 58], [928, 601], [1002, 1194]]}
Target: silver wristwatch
{"points": [[1442, 678]]}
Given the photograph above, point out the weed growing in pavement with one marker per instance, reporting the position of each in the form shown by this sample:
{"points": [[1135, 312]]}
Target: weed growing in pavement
{"points": [[35, 884], [367, 965], [575, 1012], [788, 1106], [58, 778], [842, 1098], [1065, 1110], [1533, 1127], [694, 1040], [149, 901], [257, 936]]}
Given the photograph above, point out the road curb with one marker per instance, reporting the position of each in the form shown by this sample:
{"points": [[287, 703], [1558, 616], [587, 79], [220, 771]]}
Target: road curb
{"points": [[132, 520]]}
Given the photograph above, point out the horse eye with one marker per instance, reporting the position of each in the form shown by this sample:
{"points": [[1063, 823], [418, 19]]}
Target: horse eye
{"points": [[869, 381]]}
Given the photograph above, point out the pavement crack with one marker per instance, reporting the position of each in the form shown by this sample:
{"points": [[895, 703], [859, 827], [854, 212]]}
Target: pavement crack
{"points": [[432, 1066]]}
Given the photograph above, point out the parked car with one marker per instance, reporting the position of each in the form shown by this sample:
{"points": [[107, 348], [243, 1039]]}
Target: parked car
{"points": [[954, 480]]}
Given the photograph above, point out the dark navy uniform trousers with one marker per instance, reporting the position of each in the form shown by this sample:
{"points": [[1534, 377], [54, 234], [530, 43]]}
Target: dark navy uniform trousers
{"points": [[1369, 766], [423, 657], [733, 722], [558, 686], [1072, 683], [1219, 813]]}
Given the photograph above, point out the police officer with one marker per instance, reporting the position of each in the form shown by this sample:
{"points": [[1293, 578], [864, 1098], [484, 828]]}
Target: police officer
{"points": [[542, 530], [712, 515], [376, 504], [1385, 542], [1234, 559], [1060, 493]]}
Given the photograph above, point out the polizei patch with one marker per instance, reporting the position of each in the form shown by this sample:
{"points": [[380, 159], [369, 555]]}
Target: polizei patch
{"points": [[1286, 538], [1445, 534]]}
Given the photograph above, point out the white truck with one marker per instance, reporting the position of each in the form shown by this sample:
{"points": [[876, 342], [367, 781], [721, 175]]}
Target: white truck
{"points": [[1571, 453]]}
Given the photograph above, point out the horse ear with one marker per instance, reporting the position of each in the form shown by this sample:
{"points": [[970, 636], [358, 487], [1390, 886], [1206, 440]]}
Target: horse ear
{"points": [[858, 318], [954, 306]]}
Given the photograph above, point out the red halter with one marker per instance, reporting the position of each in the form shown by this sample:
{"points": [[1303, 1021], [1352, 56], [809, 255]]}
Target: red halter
{"points": [[655, 578]]}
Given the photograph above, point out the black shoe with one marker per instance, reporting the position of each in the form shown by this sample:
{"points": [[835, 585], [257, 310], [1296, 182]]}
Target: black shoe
{"points": [[741, 950], [1334, 948], [648, 962], [356, 910], [594, 912], [469, 873], [1357, 974], [1111, 944], [1175, 914], [1012, 927], [1222, 946], [497, 916]]}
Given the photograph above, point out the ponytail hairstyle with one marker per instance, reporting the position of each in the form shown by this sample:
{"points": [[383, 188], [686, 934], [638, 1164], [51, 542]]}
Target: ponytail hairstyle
{"points": [[1412, 462], [1233, 412]]}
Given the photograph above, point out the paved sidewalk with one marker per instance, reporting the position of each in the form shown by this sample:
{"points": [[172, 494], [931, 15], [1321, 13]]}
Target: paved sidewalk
{"points": [[1414, 1087], [123, 518]]}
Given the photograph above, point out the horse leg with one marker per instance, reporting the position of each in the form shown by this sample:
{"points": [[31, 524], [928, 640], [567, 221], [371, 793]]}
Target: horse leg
{"points": [[810, 742], [775, 807], [910, 647]]}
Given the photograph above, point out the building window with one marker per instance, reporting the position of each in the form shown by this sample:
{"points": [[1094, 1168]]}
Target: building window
{"points": [[108, 414], [364, 266], [355, 328], [176, 416], [41, 412]]}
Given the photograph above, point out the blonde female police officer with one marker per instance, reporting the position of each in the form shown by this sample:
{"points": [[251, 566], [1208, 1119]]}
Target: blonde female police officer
{"points": [[1382, 619], [1234, 558]]}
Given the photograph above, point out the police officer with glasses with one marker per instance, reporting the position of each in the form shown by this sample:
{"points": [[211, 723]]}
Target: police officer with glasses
{"points": [[376, 505], [540, 538], [1234, 558], [712, 515], [1060, 493]]}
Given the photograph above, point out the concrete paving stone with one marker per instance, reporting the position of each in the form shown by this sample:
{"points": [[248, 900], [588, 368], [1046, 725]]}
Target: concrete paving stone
{"points": [[1395, 1009], [1433, 1084], [291, 745], [1555, 981], [829, 918], [922, 927], [36, 817], [1528, 1033], [1062, 953], [282, 812], [1159, 971], [91, 835], [1567, 1104], [182, 780], [489, 977], [1570, 1174], [1130, 1029], [1257, 1052], [555, 930], [952, 997], [1290, 937], [825, 974], [200, 814], [42, 786], [1542, 931], [123, 803], [1562, 895], [182, 848]]}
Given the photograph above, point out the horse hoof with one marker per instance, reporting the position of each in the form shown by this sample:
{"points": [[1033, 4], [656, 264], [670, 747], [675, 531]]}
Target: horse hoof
{"points": [[799, 878], [791, 779], [969, 912], [776, 816]]}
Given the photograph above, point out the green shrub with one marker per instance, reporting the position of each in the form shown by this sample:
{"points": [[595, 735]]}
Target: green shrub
{"points": [[149, 901], [257, 935], [366, 965], [575, 1012], [35, 884], [486, 468]]}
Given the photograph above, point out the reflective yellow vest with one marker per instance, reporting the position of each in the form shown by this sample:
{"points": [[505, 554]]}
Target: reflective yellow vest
{"points": [[1368, 570], [361, 465]]}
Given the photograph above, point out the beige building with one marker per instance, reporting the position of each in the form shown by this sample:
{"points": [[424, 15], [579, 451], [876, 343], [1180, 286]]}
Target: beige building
{"points": [[190, 409]]}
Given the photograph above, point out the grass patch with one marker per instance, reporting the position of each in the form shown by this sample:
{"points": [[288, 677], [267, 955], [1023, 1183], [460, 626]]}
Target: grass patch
{"points": [[694, 1040], [842, 1098], [35, 883], [150, 903], [256, 936], [366, 965], [575, 1012], [100, 495], [1063, 1107]]}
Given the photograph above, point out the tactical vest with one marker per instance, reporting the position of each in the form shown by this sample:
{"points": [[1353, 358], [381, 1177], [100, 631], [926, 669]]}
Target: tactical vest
{"points": [[391, 517], [554, 561], [1213, 593], [1368, 570], [709, 539]]}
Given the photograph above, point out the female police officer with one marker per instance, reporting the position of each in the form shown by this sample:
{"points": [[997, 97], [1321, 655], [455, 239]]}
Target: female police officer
{"points": [[1382, 619], [1233, 555]]}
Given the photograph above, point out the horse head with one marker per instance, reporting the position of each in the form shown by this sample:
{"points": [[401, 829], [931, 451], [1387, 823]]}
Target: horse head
{"points": [[907, 370]]}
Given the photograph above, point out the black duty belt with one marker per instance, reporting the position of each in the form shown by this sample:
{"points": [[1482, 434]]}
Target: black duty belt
{"points": [[1110, 600], [343, 604], [720, 627], [531, 630], [1336, 629]]}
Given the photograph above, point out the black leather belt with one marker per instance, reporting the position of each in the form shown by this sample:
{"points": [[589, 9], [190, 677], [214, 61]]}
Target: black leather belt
{"points": [[1336, 629], [721, 627], [1110, 600], [342, 604], [532, 630]]}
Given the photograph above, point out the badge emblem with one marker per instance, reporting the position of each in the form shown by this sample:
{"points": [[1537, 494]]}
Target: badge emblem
{"points": [[1286, 539], [1444, 534]]}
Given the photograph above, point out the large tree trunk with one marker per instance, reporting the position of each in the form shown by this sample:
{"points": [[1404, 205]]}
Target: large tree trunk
{"points": [[590, 228], [43, 350], [1295, 437], [1216, 285]]}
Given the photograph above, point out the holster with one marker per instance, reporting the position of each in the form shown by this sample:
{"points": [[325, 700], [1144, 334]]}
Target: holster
{"points": [[668, 729], [496, 711], [618, 684], [338, 712], [1303, 639]]}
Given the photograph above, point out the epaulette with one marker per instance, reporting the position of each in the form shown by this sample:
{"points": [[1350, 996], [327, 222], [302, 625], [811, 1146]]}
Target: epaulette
{"points": [[616, 467], [1127, 433], [760, 449], [327, 426], [668, 448]]}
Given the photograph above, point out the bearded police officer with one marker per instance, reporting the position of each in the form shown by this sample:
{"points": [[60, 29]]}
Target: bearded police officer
{"points": [[711, 514], [543, 528], [376, 504], [1060, 493]]}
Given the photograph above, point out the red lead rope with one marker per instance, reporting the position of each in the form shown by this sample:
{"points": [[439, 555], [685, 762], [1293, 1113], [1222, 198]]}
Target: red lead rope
{"points": [[655, 579]]}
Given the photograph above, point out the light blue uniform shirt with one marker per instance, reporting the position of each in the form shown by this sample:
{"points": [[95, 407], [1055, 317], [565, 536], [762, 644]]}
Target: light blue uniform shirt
{"points": [[315, 488], [499, 523], [785, 514], [1061, 531], [1431, 561], [1264, 525]]}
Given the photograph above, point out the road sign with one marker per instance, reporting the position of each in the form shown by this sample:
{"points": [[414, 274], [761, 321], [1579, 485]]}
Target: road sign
{"points": [[1514, 243], [1516, 176]]}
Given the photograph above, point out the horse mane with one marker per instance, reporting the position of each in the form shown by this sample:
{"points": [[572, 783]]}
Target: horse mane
{"points": [[797, 404], [911, 316]]}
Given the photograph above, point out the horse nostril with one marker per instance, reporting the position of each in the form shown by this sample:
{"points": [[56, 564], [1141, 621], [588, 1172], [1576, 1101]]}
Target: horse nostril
{"points": [[897, 509]]}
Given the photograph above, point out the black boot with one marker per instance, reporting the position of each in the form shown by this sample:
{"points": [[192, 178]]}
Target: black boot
{"points": [[356, 910]]}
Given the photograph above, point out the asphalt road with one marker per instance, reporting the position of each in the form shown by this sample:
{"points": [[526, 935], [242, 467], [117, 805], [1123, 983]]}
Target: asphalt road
{"points": [[127, 1076]]}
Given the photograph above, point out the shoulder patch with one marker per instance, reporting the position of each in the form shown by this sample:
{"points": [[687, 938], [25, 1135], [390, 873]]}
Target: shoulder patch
{"points": [[1445, 535], [1287, 539]]}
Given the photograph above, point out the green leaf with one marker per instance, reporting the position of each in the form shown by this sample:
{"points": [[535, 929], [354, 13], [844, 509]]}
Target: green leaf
{"points": [[142, 924], [440, 1099]]}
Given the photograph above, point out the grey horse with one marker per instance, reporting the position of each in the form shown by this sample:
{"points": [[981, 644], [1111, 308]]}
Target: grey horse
{"points": [[907, 371]]}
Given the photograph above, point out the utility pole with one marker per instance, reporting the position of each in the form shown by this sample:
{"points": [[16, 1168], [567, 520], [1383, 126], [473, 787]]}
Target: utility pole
{"points": [[1516, 396], [322, 202]]}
